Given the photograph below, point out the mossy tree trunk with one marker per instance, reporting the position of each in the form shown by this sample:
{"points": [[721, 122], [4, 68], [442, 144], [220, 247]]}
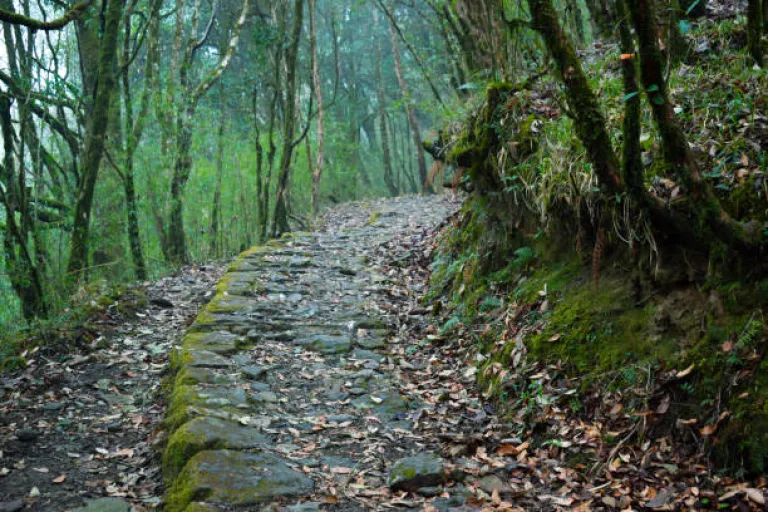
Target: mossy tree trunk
{"points": [[216, 249], [632, 165], [591, 128], [588, 118], [675, 148], [260, 212], [95, 138], [280, 217], [190, 96], [134, 127], [23, 272]]}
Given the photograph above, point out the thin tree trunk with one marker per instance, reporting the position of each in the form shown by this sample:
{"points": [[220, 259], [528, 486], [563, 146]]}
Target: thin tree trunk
{"points": [[423, 68], [260, 211], [216, 208], [134, 130], [190, 98], [23, 273], [381, 100], [632, 165], [318, 171], [755, 30], [410, 112]]}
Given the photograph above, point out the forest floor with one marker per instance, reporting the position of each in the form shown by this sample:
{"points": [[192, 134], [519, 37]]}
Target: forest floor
{"points": [[79, 421], [382, 414]]}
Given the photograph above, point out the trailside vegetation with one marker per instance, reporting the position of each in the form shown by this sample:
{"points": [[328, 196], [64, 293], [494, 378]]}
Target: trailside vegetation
{"points": [[617, 218]]}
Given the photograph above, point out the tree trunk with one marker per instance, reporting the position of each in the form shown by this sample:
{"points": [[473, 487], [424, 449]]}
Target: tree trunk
{"points": [[95, 139], [190, 98], [410, 112], [177, 237], [216, 208], [318, 171], [589, 121], [755, 30], [632, 165], [23, 273], [260, 211], [134, 130], [674, 144], [381, 100], [280, 218]]}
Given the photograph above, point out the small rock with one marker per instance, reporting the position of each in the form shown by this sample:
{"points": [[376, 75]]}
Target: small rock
{"points": [[253, 372], [258, 387], [12, 506], [490, 483], [27, 435], [304, 507], [105, 505], [413, 473], [340, 418], [267, 396]]}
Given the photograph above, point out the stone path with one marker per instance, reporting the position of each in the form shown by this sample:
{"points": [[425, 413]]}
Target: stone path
{"points": [[285, 391]]}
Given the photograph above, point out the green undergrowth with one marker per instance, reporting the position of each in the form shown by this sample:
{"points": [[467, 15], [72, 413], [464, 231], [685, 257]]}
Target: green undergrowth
{"points": [[615, 335], [597, 295]]}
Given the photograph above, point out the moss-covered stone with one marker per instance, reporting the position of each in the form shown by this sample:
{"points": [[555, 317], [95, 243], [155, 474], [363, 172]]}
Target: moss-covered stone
{"points": [[207, 433], [219, 342], [412, 473], [188, 402], [238, 479]]}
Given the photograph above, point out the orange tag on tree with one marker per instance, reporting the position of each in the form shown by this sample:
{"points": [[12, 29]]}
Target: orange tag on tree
{"points": [[627, 56]]}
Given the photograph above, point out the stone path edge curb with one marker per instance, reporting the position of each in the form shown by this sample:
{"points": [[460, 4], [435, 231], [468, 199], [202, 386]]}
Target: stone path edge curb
{"points": [[191, 368]]}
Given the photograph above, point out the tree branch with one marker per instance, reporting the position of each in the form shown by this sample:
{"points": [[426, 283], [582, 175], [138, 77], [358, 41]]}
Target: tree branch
{"points": [[19, 19]]}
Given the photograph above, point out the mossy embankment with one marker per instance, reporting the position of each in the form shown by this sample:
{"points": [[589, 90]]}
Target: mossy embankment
{"points": [[540, 263]]}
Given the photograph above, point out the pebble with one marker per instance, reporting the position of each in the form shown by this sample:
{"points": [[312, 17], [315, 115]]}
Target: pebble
{"points": [[27, 435]]}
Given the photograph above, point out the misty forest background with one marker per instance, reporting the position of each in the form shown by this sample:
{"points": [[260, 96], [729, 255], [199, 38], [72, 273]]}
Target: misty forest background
{"points": [[226, 123], [141, 135]]}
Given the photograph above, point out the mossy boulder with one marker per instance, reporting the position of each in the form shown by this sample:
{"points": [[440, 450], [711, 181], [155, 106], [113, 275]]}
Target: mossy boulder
{"points": [[238, 479], [192, 401], [207, 433], [218, 342], [412, 473]]}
